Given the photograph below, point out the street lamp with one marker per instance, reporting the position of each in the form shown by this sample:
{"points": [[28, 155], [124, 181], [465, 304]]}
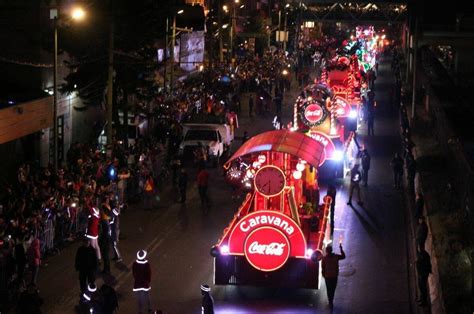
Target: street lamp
{"points": [[76, 14], [173, 40]]}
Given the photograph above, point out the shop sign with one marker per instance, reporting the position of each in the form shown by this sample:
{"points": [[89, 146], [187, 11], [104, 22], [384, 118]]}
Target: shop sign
{"points": [[267, 248]]}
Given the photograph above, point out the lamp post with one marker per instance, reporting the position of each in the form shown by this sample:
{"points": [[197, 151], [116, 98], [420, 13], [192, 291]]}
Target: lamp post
{"points": [[76, 14], [173, 40], [232, 28]]}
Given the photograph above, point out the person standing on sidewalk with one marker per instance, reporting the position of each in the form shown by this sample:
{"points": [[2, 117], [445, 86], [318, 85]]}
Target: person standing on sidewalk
{"points": [[397, 167], [370, 121], [142, 282], [365, 160], [354, 185], [183, 185], [330, 271], [423, 268], [421, 232], [86, 264]]}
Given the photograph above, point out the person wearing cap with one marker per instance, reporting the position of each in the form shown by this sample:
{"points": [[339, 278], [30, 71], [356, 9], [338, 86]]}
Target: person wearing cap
{"points": [[330, 271], [207, 306], [91, 298], [142, 277], [92, 231]]}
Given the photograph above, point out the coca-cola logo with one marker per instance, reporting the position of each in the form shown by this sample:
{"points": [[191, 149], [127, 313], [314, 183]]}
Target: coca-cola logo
{"points": [[267, 248], [313, 113]]}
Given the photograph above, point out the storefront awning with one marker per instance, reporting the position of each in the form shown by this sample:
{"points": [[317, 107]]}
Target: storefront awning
{"points": [[283, 141]]}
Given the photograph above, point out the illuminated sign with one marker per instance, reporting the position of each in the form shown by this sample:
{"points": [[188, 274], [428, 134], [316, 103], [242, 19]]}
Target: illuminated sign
{"points": [[329, 148], [267, 239], [313, 114], [267, 248]]}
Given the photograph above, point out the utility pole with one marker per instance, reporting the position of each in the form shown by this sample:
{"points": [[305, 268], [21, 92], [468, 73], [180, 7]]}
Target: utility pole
{"points": [[55, 94], [110, 85], [232, 28], [173, 40], [219, 22], [415, 53], [284, 30], [165, 57]]}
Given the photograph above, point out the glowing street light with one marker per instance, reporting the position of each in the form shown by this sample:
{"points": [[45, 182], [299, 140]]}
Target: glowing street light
{"points": [[78, 14]]}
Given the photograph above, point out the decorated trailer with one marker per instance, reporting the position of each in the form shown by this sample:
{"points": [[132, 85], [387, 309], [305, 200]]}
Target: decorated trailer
{"points": [[323, 116], [277, 236]]}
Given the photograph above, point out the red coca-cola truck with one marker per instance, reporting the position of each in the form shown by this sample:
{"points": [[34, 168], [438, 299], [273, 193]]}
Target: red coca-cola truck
{"points": [[277, 236]]}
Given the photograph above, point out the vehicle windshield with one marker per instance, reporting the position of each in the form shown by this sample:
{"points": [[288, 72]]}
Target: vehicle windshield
{"points": [[201, 135]]}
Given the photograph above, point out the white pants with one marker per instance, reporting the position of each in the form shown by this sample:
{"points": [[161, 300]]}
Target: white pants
{"points": [[95, 245]]}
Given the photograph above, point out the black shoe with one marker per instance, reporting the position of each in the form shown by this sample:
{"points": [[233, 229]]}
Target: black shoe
{"points": [[349, 203]]}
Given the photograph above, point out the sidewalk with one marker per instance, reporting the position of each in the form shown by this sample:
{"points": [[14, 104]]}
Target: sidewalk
{"points": [[441, 179]]}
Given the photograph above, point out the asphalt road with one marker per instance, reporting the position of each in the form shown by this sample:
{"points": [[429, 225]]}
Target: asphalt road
{"points": [[374, 278]]}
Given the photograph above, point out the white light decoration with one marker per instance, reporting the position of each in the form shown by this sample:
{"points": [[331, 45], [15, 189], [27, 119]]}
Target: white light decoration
{"points": [[224, 249], [262, 159], [353, 114], [338, 155], [256, 164], [297, 174], [309, 252], [249, 173], [300, 167]]}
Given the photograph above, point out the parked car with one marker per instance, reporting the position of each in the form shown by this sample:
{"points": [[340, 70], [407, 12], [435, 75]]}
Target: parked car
{"points": [[215, 137]]}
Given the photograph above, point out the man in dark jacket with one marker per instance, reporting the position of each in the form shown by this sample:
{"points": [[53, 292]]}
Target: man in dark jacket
{"points": [[423, 268], [365, 160], [330, 271], [86, 264], [207, 305], [355, 181], [397, 167]]}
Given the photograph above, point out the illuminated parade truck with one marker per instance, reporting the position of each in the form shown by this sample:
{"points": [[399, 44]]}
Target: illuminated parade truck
{"points": [[277, 236], [325, 116]]}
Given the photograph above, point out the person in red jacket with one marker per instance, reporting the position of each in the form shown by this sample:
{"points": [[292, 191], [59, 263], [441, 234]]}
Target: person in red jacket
{"points": [[330, 270], [142, 277], [92, 231]]}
